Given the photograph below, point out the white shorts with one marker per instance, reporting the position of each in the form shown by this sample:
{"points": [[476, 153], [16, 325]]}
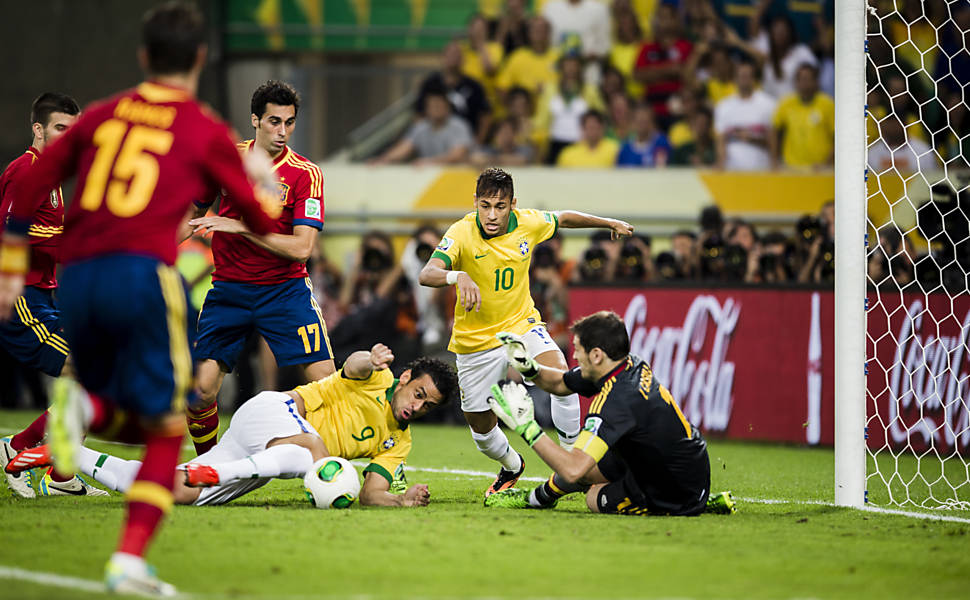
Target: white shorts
{"points": [[263, 418], [477, 371]]}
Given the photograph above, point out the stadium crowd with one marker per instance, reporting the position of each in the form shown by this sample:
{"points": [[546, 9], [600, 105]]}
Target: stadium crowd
{"points": [[732, 84]]}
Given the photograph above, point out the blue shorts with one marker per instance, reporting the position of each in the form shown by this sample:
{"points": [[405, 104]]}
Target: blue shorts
{"points": [[33, 334], [285, 314], [125, 318]]}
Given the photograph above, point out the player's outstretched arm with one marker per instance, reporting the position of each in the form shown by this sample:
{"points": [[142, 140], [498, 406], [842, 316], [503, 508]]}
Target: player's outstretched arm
{"points": [[434, 274], [571, 219], [375, 492], [362, 363]]}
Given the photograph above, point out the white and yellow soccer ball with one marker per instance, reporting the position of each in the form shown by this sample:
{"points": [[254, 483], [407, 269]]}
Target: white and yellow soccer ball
{"points": [[332, 482]]}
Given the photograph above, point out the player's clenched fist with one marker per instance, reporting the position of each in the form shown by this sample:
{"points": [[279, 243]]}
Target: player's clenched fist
{"points": [[381, 356], [417, 495], [471, 296]]}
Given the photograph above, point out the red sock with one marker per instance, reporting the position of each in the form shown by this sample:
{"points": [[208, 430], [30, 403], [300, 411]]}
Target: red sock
{"points": [[102, 413], [204, 427], [32, 435], [59, 477], [150, 495]]}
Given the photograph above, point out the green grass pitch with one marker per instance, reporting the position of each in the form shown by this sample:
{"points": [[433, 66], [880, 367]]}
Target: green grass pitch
{"points": [[272, 544]]}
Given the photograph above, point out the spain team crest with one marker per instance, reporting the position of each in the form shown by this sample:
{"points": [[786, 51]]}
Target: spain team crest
{"points": [[283, 189]]}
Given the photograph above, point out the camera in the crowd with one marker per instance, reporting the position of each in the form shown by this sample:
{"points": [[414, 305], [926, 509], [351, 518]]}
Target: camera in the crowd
{"points": [[543, 257], [809, 227], [424, 250], [375, 260], [592, 266]]}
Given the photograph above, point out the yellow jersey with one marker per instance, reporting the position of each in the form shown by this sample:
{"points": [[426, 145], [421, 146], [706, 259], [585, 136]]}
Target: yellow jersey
{"points": [[354, 418], [529, 70], [809, 129], [581, 156], [499, 265]]}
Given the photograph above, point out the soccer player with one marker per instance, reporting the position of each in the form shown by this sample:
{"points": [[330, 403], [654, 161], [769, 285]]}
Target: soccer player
{"points": [[636, 455], [33, 335], [142, 157], [487, 255], [261, 282], [359, 411]]}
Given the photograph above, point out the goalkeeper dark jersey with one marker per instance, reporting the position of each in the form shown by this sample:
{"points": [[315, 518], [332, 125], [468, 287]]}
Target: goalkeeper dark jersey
{"points": [[637, 434]]}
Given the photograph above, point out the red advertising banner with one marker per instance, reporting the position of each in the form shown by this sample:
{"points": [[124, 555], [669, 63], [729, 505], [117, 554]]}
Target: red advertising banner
{"points": [[742, 363], [759, 363]]}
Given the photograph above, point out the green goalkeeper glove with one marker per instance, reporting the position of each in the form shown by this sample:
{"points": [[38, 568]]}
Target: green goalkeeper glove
{"points": [[518, 355], [513, 406]]}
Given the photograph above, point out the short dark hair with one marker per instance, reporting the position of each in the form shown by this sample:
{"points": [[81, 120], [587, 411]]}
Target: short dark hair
{"points": [[442, 375], [813, 69], [171, 35], [49, 103], [276, 92], [604, 330], [592, 114], [494, 182]]}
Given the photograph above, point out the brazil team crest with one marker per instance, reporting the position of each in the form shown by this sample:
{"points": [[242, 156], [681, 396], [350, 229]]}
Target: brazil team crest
{"points": [[389, 443], [524, 247]]}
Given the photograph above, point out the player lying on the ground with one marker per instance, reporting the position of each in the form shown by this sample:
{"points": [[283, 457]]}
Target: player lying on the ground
{"points": [[487, 256], [636, 454], [359, 411]]}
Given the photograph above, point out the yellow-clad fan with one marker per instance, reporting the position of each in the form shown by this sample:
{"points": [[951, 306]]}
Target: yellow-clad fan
{"points": [[486, 255]]}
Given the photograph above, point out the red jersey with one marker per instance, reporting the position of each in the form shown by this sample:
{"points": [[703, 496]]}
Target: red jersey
{"points": [[655, 55], [142, 158], [48, 222], [300, 195]]}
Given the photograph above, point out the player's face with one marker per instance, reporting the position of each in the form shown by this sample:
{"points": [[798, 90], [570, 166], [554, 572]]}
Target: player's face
{"points": [[414, 398], [57, 126], [582, 359], [493, 213], [274, 129]]}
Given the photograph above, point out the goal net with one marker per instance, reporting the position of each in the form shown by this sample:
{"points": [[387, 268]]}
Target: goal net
{"points": [[918, 253]]}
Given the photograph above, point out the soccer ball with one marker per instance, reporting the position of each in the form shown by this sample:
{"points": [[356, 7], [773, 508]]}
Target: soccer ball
{"points": [[332, 482]]}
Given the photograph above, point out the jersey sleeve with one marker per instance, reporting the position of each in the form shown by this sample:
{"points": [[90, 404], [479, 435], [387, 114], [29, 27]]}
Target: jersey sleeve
{"points": [[308, 204], [322, 393], [225, 168], [449, 248], [608, 421], [573, 379], [541, 224], [390, 460]]}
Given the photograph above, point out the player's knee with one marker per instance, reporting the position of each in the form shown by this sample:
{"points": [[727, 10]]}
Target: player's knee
{"points": [[316, 447], [592, 498]]}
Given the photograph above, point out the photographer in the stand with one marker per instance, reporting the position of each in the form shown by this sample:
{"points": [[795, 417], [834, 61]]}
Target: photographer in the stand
{"points": [[815, 247], [948, 261], [378, 303], [432, 304]]}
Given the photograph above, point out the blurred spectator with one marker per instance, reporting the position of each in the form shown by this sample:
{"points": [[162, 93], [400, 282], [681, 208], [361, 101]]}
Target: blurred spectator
{"points": [[431, 303], [683, 248], [646, 146], [327, 281], [548, 288], [894, 150], [745, 138], [954, 56], [439, 138], [701, 150], [783, 55], [711, 64], [466, 95], [773, 260], [611, 83], [660, 63], [890, 262], [587, 20], [955, 146], [533, 66], [628, 38], [562, 106], [736, 14], [684, 106], [825, 49], [481, 58], [635, 263], [805, 122], [620, 120], [598, 263], [519, 107], [594, 150], [504, 147], [379, 301], [512, 30]]}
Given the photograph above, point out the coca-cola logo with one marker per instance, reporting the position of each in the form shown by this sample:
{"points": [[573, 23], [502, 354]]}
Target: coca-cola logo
{"points": [[692, 366], [928, 383]]}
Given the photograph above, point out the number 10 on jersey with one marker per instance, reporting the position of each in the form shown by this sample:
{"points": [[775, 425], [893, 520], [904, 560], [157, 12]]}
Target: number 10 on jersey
{"points": [[504, 278]]}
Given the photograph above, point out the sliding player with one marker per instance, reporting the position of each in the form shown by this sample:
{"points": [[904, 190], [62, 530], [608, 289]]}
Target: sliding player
{"points": [[261, 282], [33, 335], [487, 255], [636, 455], [281, 434], [142, 157]]}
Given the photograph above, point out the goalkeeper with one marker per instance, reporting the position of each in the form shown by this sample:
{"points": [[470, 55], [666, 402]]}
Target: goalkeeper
{"points": [[636, 454]]}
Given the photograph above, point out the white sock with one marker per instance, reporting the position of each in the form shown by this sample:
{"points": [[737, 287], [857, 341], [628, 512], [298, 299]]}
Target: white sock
{"points": [[496, 446], [565, 416], [110, 471], [285, 461]]}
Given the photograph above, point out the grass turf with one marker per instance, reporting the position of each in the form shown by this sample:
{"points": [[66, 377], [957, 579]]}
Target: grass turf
{"points": [[272, 544]]}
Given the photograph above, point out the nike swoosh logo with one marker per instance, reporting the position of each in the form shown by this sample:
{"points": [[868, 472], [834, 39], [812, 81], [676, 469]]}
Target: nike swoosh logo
{"points": [[81, 492], [477, 256]]}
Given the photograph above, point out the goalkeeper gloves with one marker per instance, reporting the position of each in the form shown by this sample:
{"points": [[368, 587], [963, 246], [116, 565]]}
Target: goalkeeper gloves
{"points": [[517, 355], [513, 406]]}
